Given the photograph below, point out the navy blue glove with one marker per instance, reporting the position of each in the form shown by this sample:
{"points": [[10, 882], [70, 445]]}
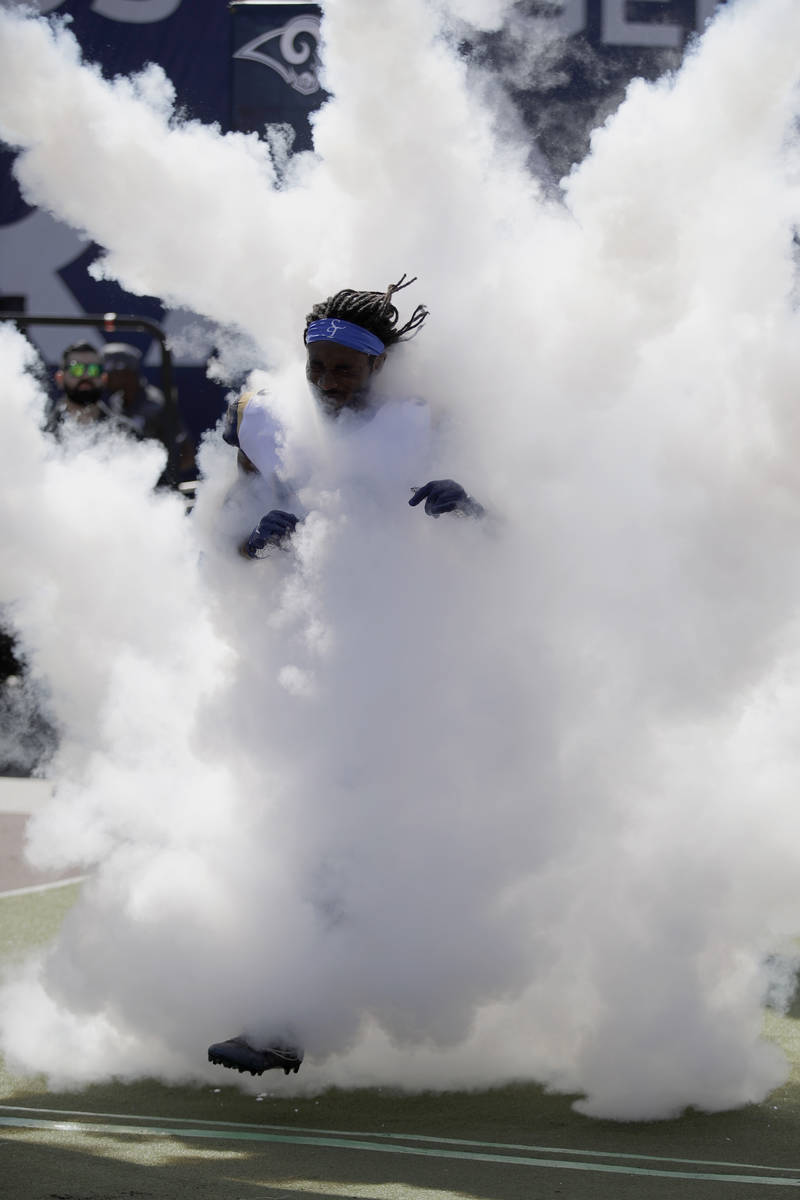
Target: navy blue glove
{"points": [[444, 496], [273, 530]]}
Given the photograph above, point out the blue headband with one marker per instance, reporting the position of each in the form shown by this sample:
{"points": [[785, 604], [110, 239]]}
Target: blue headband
{"points": [[331, 329]]}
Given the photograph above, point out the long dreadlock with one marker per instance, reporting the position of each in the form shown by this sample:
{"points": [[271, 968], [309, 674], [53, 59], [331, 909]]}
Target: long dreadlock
{"points": [[373, 311]]}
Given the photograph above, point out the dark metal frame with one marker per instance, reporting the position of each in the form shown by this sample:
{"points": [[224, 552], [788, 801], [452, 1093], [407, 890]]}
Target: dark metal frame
{"points": [[110, 323]]}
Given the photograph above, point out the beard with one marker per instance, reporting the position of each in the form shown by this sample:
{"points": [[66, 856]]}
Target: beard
{"points": [[84, 395]]}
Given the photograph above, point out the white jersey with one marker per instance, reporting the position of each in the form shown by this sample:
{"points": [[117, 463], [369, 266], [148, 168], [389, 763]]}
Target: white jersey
{"points": [[384, 451]]}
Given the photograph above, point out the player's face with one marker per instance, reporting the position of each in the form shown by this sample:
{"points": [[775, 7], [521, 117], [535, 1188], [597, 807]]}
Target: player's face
{"points": [[340, 376]]}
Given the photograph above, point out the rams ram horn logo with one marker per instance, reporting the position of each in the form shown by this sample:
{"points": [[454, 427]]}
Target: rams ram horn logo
{"points": [[297, 45]]}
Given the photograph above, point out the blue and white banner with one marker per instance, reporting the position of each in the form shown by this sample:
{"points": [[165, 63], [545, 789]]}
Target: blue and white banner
{"points": [[242, 65], [275, 66]]}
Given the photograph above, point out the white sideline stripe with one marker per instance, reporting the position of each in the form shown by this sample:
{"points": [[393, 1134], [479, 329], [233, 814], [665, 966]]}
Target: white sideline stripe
{"points": [[338, 1142], [43, 887], [246, 1129]]}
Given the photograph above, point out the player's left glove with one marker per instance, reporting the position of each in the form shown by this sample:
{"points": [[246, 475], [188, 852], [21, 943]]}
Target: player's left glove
{"points": [[273, 530], [444, 496]]}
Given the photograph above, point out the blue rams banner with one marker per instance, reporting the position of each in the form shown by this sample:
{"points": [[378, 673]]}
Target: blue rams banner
{"points": [[275, 66], [241, 66], [250, 63], [643, 24]]}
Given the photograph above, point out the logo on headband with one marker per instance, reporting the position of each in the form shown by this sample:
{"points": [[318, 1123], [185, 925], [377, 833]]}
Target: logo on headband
{"points": [[334, 329]]}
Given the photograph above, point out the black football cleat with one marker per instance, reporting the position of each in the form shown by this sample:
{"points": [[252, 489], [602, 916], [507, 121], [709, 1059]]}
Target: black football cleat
{"points": [[239, 1055]]}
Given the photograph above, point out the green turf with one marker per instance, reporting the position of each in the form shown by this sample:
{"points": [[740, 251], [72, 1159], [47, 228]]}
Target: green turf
{"points": [[32, 919], [525, 1114]]}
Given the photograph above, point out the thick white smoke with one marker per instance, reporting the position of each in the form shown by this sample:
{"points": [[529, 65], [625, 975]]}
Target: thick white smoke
{"points": [[453, 802]]}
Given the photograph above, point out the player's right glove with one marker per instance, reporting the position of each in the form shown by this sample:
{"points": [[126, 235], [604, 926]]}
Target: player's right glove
{"points": [[272, 531]]}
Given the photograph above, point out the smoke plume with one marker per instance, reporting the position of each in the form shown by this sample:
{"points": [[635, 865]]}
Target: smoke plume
{"points": [[452, 802]]}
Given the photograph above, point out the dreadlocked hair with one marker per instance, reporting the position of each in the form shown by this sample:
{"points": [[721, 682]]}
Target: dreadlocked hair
{"points": [[373, 311]]}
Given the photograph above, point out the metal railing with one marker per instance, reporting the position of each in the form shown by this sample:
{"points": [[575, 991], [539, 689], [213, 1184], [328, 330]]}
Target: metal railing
{"points": [[110, 323]]}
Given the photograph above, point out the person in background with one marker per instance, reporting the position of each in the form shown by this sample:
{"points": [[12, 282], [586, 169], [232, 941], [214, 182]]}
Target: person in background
{"points": [[81, 381], [141, 409]]}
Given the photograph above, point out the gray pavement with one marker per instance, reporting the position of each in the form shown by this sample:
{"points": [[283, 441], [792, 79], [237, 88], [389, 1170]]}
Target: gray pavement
{"points": [[19, 799]]}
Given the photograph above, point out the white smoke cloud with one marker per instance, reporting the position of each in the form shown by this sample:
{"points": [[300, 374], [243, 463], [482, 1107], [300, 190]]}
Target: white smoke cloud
{"points": [[453, 802]]}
